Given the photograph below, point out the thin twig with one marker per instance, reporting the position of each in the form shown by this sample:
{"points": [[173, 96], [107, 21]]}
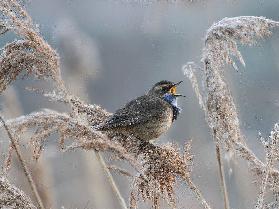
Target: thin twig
{"points": [[197, 192], [271, 146], [119, 170], [111, 181], [222, 177], [24, 166], [260, 199]]}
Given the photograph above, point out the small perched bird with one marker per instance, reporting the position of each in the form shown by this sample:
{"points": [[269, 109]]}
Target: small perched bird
{"points": [[148, 116]]}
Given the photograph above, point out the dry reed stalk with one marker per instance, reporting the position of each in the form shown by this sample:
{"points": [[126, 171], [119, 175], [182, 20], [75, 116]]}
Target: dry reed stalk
{"points": [[222, 177], [197, 192], [82, 57], [24, 166], [39, 169], [272, 149], [111, 181]]}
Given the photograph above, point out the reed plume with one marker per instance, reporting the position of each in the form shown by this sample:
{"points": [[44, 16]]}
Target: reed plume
{"points": [[12, 197], [220, 49], [157, 167]]}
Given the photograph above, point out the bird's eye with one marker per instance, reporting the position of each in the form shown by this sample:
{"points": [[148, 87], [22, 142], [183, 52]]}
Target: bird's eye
{"points": [[164, 88], [172, 90]]}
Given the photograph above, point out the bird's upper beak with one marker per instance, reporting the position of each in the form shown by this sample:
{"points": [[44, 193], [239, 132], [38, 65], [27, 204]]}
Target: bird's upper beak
{"points": [[176, 84]]}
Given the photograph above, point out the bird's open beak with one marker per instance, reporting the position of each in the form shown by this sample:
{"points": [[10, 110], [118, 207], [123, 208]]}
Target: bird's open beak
{"points": [[174, 90]]}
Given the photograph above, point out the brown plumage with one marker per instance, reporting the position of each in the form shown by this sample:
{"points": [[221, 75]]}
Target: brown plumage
{"points": [[148, 116]]}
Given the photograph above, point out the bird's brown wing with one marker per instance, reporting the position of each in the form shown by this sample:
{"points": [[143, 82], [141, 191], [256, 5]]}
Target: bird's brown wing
{"points": [[138, 111]]}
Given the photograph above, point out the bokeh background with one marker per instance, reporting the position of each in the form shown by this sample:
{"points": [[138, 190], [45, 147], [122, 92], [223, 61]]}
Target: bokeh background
{"points": [[113, 51]]}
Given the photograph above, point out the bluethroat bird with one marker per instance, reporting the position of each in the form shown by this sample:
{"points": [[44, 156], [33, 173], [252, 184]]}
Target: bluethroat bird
{"points": [[148, 116]]}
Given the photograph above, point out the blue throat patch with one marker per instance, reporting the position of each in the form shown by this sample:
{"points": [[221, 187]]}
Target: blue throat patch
{"points": [[172, 100]]}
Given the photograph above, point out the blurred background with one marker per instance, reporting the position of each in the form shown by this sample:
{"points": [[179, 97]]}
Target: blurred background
{"points": [[113, 51]]}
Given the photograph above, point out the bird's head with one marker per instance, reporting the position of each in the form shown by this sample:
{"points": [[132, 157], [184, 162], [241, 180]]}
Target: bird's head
{"points": [[164, 88]]}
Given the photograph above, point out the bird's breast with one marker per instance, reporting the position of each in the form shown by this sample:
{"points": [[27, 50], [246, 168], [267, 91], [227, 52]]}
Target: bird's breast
{"points": [[154, 128]]}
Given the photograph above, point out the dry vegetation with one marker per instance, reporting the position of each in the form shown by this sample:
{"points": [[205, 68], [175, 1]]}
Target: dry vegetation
{"points": [[157, 167], [12, 197], [220, 48]]}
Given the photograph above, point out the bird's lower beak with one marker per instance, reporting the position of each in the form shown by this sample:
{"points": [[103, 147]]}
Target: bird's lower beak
{"points": [[179, 95]]}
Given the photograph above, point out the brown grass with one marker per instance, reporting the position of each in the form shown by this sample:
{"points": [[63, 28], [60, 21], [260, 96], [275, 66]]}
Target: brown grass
{"points": [[220, 110], [157, 167]]}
